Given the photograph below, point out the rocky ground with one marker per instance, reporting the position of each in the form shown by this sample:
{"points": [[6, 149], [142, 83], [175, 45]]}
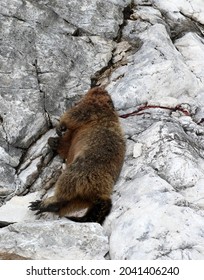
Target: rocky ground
{"points": [[149, 54]]}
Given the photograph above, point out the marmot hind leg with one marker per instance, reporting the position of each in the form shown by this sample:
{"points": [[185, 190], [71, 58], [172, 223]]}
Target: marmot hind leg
{"points": [[49, 204], [61, 208], [95, 214]]}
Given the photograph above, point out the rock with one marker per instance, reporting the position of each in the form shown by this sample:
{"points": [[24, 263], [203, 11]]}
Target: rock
{"points": [[92, 17], [149, 55], [11, 256], [193, 10], [15, 210], [122, 3], [137, 150], [37, 159], [153, 66], [192, 49], [7, 179], [55, 240], [157, 234], [161, 196]]}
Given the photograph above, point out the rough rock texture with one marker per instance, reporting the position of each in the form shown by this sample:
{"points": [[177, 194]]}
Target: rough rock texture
{"points": [[149, 54], [55, 240]]}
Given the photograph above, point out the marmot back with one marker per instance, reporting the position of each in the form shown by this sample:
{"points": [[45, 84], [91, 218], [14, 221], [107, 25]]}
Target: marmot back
{"points": [[92, 143]]}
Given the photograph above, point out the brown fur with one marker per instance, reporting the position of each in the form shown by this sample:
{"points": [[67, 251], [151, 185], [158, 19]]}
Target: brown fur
{"points": [[93, 145]]}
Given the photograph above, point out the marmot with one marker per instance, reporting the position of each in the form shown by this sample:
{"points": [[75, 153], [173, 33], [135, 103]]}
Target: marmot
{"points": [[92, 143]]}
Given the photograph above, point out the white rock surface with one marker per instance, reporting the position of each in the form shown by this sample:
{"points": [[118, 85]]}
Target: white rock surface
{"points": [[193, 9], [62, 240], [14, 210], [158, 232], [158, 69], [191, 46]]}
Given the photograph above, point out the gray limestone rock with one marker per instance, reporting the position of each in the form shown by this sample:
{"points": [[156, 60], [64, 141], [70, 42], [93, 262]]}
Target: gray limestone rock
{"points": [[92, 16]]}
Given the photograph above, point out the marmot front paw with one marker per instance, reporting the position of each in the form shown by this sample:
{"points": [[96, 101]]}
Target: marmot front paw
{"points": [[53, 142], [60, 130]]}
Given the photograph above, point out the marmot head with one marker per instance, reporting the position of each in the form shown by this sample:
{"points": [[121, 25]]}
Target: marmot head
{"points": [[100, 96]]}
